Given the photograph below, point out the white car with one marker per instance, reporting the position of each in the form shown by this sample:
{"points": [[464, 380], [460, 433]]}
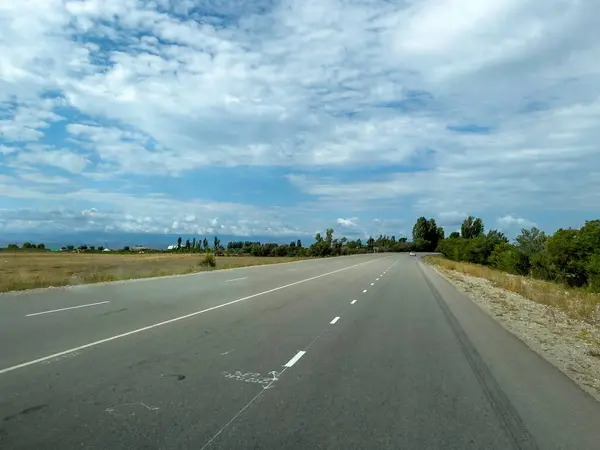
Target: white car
{"points": [[412, 254]]}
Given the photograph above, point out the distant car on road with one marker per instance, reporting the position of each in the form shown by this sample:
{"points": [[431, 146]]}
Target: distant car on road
{"points": [[412, 254]]}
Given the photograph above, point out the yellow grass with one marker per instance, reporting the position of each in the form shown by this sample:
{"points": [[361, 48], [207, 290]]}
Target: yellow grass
{"points": [[27, 270], [578, 304]]}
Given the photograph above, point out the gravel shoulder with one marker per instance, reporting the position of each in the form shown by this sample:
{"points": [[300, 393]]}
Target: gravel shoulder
{"points": [[570, 345]]}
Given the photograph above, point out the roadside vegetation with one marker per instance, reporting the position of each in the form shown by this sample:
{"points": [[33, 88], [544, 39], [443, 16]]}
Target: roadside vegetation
{"points": [[35, 266], [20, 271], [561, 270], [567, 261]]}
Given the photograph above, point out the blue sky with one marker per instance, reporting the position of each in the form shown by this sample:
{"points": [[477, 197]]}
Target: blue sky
{"points": [[282, 118]]}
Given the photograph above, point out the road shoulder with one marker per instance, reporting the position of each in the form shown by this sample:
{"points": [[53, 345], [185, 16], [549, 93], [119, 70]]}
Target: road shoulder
{"points": [[566, 343]]}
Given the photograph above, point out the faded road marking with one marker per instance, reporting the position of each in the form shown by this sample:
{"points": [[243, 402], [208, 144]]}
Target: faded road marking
{"points": [[66, 309], [235, 279]]}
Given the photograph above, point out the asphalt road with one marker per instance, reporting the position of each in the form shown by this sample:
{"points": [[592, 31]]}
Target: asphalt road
{"points": [[362, 352]]}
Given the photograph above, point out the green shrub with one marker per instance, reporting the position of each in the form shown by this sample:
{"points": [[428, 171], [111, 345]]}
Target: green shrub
{"points": [[593, 272], [209, 260], [508, 258]]}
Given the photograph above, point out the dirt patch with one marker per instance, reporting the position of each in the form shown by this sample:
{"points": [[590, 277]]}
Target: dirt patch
{"points": [[570, 344]]}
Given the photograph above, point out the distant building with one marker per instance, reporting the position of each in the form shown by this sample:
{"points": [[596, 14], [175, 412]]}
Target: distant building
{"points": [[172, 247], [140, 248]]}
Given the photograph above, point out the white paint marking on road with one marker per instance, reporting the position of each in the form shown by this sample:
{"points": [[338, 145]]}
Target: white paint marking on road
{"points": [[295, 359], [334, 320], [66, 309], [353, 302], [364, 291], [236, 279], [176, 319], [372, 284], [376, 279]]}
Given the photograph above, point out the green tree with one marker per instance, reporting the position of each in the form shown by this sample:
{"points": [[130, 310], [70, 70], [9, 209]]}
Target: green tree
{"points": [[508, 258], [426, 234], [497, 237], [194, 244], [329, 236], [216, 243], [454, 235], [322, 247], [531, 241], [179, 242], [205, 244], [41, 246], [13, 246], [188, 245], [28, 245], [299, 243], [471, 228], [570, 255], [593, 271]]}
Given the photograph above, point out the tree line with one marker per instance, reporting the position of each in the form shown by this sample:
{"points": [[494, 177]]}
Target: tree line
{"points": [[323, 246], [570, 256]]}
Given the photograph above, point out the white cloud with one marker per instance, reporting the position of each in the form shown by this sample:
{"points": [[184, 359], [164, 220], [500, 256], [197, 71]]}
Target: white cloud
{"points": [[5, 150], [451, 218], [347, 223], [159, 91], [510, 221], [62, 159], [36, 177]]}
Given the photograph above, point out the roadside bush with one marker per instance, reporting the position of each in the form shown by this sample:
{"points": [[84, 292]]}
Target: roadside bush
{"points": [[506, 257], [209, 260], [593, 272]]}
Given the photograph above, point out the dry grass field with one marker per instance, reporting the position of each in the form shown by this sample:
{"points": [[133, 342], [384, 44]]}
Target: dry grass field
{"points": [[27, 270], [577, 303]]}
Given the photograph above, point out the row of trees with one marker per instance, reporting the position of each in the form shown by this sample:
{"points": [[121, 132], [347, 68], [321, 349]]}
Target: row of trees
{"points": [[27, 246], [570, 256], [323, 246]]}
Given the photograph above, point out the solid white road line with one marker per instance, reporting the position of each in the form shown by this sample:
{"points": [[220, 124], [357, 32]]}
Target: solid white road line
{"points": [[334, 320], [353, 302], [66, 309], [295, 359], [364, 291], [236, 279], [176, 319]]}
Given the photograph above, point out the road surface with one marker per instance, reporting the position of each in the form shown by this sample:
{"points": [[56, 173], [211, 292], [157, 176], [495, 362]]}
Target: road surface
{"points": [[360, 352]]}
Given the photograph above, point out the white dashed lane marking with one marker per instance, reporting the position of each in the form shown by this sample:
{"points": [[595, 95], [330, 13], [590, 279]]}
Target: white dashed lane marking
{"points": [[295, 359], [334, 320], [66, 309]]}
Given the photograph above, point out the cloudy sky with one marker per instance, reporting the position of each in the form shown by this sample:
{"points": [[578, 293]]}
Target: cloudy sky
{"points": [[281, 118]]}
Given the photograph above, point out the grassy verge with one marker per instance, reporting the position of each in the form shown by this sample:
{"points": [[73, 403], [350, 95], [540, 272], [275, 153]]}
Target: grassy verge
{"points": [[20, 271], [578, 304]]}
